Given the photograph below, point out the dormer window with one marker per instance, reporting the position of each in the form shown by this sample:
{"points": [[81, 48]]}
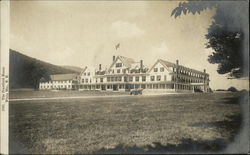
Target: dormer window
{"points": [[155, 69], [118, 65], [88, 73]]}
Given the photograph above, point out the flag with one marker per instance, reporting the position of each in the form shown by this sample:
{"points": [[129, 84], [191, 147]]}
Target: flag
{"points": [[117, 46]]}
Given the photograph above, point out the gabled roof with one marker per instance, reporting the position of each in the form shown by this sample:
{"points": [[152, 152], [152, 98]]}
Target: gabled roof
{"points": [[128, 62], [84, 69], [168, 64], [57, 77], [165, 64], [90, 69]]}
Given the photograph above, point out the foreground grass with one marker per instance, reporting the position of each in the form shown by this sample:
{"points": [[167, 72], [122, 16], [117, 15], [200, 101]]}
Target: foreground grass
{"points": [[97, 125], [62, 93]]}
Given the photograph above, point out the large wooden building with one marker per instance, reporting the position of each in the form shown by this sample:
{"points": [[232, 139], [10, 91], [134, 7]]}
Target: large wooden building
{"points": [[59, 82], [125, 74]]}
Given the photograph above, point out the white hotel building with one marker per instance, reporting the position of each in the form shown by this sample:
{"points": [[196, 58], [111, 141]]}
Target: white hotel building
{"points": [[125, 74], [59, 82]]}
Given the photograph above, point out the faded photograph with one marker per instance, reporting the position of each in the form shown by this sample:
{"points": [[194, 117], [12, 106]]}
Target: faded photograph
{"points": [[123, 77]]}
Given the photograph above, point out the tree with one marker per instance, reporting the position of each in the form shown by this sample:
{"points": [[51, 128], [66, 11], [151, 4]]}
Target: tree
{"points": [[227, 34]]}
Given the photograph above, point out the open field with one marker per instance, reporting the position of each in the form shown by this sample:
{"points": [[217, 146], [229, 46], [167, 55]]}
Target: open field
{"points": [[183, 122], [61, 93]]}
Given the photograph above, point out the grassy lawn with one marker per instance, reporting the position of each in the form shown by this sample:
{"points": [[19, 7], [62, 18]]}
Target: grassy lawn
{"points": [[133, 124], [63, 93]]}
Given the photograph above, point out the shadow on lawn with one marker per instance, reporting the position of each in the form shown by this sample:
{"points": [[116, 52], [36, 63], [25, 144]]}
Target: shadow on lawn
{"points": [[187, 145], [231, 125]]}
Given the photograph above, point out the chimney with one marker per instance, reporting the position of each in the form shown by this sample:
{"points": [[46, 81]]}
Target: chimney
{"points": [[177, 62], [113, 58], [141, 64], [100, 67]]}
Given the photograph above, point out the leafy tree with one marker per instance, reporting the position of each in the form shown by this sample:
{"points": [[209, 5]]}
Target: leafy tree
{"points": [[227, 34]]}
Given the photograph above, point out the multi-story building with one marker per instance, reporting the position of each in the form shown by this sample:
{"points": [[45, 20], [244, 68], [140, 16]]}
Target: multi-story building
{"points": [[125, 74], [59, 82]]}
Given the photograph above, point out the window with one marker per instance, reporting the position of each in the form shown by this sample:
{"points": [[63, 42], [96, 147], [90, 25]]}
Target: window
{"points": [[82, 80], [101, 79], [112, 78], [155, 86], [131, 78], [108, 79], [152, 78], [84, 74], [155, 69], [118, 65], [143, 86], [143, 78], [125, 79], [172, 78], [162, 69], [137, 78], [88, 73], [119, 78], [158, 78], [124, 71], [118, 70], [165, 77], [86, 80], [113, 71]]}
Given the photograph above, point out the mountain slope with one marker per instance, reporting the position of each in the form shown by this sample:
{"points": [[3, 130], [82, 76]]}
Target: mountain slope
{"points": [[74, 68], [25, 71]]}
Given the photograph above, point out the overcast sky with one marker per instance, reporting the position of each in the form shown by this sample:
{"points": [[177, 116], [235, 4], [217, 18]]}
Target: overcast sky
{"points": [[84, 33]]}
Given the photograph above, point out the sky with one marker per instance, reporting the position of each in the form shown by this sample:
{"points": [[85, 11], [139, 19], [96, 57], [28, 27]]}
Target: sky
{"points": [[84, 33]]}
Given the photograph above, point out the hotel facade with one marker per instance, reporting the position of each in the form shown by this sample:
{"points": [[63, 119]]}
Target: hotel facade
{"points": [[125, 74]]}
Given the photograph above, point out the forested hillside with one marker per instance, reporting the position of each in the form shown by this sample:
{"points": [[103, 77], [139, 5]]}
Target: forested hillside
{"points": [[25, 71]]}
